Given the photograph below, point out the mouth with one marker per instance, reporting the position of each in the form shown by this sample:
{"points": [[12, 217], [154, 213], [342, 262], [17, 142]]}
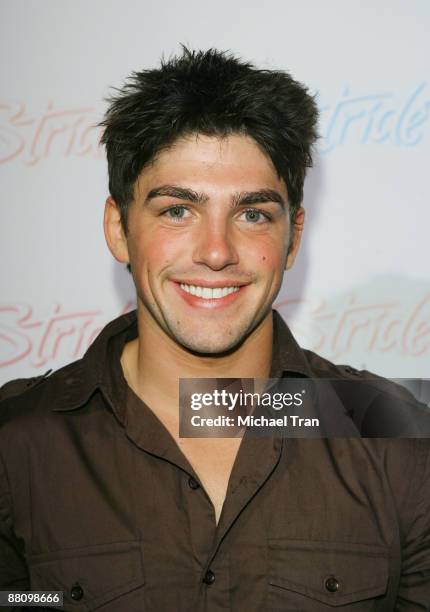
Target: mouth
{"points": [[209, 293], [212, 296]]}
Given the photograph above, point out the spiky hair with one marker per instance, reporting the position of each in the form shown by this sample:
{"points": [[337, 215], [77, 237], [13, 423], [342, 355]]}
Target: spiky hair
{"points": [[212, 93]]}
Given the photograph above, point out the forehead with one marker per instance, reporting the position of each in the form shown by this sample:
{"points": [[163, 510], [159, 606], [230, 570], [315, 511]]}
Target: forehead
{"points": [[232, 162]]}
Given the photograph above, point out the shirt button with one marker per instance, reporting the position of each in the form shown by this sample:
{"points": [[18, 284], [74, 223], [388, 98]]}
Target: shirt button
{"points": [[331, 584], [209, 577], [193, 484], [76, 592]]}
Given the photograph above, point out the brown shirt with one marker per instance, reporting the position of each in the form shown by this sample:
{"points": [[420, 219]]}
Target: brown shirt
{"points": [[97, 500]]}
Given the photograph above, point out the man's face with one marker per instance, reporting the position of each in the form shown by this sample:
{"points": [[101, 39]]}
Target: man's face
{"points": [[208, 234]]}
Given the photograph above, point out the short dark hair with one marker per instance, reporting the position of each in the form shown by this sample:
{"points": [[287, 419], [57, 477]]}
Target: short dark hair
{"points": [[212, 93]]}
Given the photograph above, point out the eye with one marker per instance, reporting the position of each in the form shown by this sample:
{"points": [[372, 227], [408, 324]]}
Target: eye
{"points": [[176, 213], [255, 216]]}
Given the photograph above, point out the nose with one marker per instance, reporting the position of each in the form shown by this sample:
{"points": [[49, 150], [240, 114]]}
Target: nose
{"points": [[214, 245]]}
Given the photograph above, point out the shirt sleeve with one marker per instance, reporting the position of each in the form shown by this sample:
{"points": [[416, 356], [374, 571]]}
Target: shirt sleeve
{"points": [[13, 568], [414, 588]]}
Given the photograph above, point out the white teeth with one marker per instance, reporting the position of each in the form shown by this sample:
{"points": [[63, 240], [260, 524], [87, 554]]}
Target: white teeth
{"points": [[208, 293]]}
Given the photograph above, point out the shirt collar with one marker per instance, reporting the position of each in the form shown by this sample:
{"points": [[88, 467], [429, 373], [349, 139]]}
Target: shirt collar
{"points": [[288, 358], [100, 367]]}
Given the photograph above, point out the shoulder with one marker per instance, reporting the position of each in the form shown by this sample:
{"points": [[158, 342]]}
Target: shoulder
{"points": [[18, 386], [27, 421], [379, 407], [323, 368], [31, 397]]}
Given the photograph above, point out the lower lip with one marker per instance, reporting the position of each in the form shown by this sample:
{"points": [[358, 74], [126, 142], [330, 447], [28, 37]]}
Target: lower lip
{"points": [[198, 302]]}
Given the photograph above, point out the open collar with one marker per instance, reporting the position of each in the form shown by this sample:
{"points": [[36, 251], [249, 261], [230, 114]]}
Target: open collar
{"points": [[100, 367]]}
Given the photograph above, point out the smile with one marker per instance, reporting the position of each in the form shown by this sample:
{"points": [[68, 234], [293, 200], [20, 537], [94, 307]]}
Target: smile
{"points": [[201, 296], [209, 293]]}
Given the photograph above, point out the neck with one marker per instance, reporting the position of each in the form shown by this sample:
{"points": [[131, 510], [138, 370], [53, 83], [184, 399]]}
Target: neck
{"points": [[154, 362]]}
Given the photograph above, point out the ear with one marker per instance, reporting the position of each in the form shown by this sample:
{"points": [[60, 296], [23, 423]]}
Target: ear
{"points": [[114, 232], [296, 236]]}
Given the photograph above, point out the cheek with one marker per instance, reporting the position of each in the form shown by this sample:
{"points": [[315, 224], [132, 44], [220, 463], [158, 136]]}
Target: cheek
{"points": [[154, 251], [268, 255]]}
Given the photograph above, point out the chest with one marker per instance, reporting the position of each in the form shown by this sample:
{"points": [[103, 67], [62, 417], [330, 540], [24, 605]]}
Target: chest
{"points": [[317, 515], [212, 460]]}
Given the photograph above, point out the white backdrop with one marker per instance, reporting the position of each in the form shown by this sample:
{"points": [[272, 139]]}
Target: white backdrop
{"points": [[360, 290]]}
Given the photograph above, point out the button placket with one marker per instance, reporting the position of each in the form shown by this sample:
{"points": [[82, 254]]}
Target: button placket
{"points": [[193, 484], [209, 577]]}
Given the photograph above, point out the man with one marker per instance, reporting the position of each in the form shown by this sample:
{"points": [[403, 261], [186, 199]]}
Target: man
{"points": [[100, 496]]}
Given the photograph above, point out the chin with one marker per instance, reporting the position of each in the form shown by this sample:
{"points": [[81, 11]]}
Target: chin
{"points": [[209, 345]]}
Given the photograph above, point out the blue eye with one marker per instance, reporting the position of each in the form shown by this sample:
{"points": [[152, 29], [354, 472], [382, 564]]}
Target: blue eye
{"points": [[254, 215], [176, 212]]}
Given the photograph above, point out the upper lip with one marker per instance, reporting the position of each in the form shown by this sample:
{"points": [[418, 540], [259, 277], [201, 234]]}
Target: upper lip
{"points": [[211, 284]]}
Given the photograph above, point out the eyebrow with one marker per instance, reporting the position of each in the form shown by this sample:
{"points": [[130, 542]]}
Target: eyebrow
{"points": [[243, 198], [261, 196], [173, 191]]}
